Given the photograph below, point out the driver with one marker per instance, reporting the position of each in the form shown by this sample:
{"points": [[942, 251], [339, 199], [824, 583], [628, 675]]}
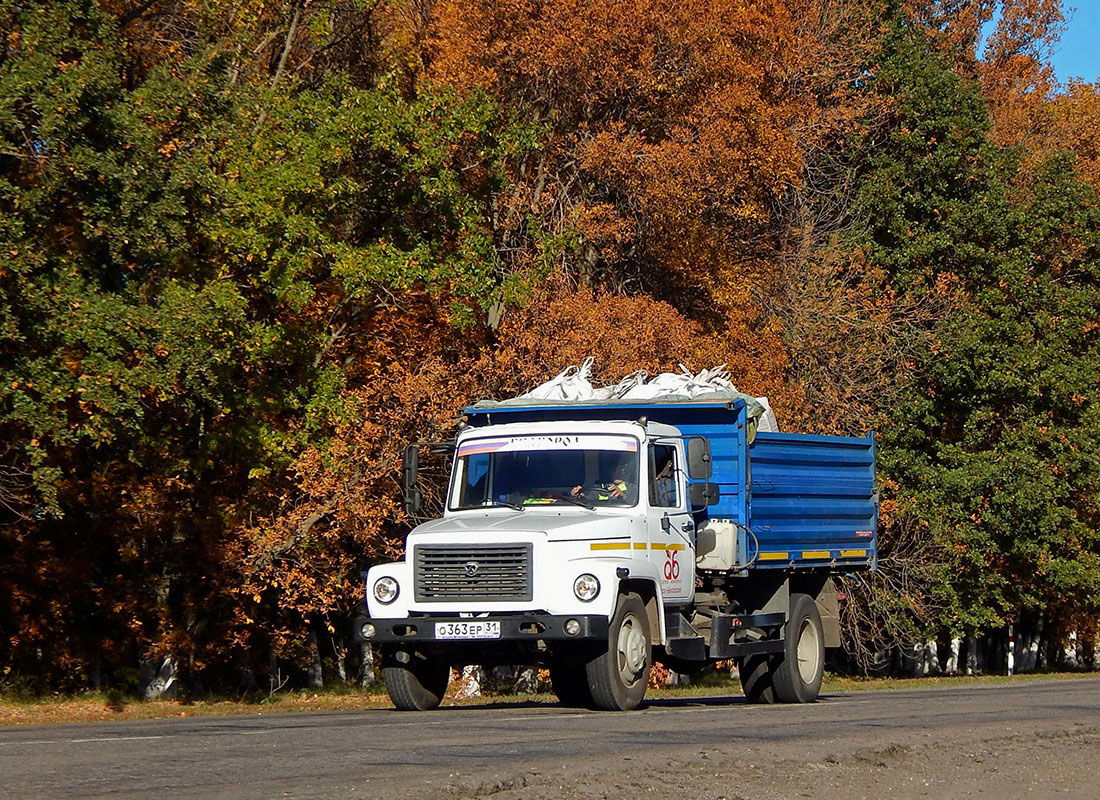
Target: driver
{"points": [[617, 488]]}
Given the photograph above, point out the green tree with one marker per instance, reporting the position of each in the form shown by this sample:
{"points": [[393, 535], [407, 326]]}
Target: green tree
{"points": [[185, 256], [990, 448]]}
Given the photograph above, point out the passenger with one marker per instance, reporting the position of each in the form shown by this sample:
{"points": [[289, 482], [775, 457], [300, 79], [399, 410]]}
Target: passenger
{"points": [[664, 485]]}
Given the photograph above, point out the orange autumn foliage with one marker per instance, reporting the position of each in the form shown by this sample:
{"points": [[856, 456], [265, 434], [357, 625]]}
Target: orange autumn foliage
{"points": [[670, 128], [1015, 74], [1030, 109], [1075, 120], [563, 325]]}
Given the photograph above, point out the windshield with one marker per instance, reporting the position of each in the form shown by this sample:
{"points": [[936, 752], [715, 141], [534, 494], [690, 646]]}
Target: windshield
{"points": [[522, 471]]}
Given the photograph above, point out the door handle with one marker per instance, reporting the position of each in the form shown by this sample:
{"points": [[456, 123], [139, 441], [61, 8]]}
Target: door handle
{"points": [[687, 527]]}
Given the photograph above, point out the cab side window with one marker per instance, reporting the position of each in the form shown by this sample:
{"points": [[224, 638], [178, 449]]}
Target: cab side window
{"points": [[663, 489]]}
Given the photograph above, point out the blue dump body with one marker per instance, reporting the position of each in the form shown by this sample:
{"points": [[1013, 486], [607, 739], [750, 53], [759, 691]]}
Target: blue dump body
{"points": [[806, 501]]}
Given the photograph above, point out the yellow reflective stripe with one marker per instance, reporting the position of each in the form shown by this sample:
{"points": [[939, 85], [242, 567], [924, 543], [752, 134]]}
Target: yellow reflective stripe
{"points": [[639, 545], [853, 553], [610, 545], [669, 546], [815, 554], [774, 556]]}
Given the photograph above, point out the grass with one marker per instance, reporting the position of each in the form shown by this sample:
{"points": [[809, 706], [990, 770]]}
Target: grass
{"points": [[723, 686], [99, 706], [836, 683], [22, 709]]}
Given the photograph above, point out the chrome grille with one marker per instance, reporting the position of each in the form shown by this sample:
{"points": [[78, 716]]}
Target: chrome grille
{"points": [[448, 572]]}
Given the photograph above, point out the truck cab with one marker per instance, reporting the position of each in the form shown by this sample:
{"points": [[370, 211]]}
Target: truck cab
{"points": [[571, 538]]}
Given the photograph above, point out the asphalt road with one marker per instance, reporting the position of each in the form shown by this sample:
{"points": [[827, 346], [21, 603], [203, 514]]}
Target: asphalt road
{"points": [[861, 744]]}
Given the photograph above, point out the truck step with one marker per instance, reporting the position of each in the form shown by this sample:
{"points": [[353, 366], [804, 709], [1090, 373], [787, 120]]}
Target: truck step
{"points": [[688, 648], [683, 640], [730, 635], [677, 625]]}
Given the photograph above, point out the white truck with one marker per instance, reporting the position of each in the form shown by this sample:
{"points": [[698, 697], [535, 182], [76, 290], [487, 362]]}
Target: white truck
{"points": [[594, 538]]}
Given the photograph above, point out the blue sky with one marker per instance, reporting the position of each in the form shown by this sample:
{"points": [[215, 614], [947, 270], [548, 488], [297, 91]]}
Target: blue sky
{"points": [[1078, 54]]}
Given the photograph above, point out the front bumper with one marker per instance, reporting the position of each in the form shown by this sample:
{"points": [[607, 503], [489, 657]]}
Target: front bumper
{"points": [[513, 628]]}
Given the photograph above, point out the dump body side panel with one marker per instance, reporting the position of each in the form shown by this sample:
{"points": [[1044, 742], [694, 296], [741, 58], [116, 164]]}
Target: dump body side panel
{"points": [[812, 501]]}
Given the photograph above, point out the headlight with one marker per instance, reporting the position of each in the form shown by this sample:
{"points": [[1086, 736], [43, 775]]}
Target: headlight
{"points": [[586, 587], [386, 590]]}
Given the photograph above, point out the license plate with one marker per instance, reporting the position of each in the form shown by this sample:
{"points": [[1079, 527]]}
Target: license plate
{"points": [[474, 629]]}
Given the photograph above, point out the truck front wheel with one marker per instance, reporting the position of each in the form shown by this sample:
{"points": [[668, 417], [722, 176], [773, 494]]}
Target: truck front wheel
{"points": [[797, 678], [618, 676], [415, 681]]}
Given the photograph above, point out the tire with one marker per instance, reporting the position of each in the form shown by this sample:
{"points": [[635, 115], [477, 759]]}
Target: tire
{"points": [[617, 677], [797, 678], [570, 684], [415, 684], [756, 679]]}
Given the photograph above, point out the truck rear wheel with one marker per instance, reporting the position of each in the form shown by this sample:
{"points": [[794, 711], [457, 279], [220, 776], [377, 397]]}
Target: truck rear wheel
{"points": [[797, 678], [756, 678], [570, 684], [618, 676], [414, 680]]}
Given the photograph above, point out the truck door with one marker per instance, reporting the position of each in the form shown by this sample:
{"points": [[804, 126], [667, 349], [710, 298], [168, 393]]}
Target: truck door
{"points": [[669, 520]]}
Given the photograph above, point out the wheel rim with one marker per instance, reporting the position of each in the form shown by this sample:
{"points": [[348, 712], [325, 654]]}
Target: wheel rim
{"points": [[631, 650], [808, 652]]}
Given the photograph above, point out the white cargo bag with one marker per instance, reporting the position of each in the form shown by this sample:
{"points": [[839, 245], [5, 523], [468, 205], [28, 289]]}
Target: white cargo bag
{"points": [[767, 422], [572, 383], [617, 391]]}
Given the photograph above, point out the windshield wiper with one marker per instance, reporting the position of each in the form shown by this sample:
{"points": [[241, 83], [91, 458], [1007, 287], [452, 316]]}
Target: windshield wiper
{"points": [[506, 504], [578, 502]]}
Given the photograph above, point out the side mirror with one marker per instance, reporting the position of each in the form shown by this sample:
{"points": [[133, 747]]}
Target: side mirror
{"points": [[698, 458], [703, 494], [409, 466]]}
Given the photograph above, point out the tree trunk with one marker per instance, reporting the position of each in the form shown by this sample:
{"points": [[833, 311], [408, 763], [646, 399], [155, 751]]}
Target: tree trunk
{"points": [[247, 675], [993, 652], [339, 653], [1044, 656], [915, 660], [979, 654], [97, 673], [953, 659], [158, 681], [1070, 659], [366, 669], [501, 679], [1086, 649], [275, 675], [526, 680], [880, 662], [472, 678], [315, 677], [1029, 654], [931, 657]]}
